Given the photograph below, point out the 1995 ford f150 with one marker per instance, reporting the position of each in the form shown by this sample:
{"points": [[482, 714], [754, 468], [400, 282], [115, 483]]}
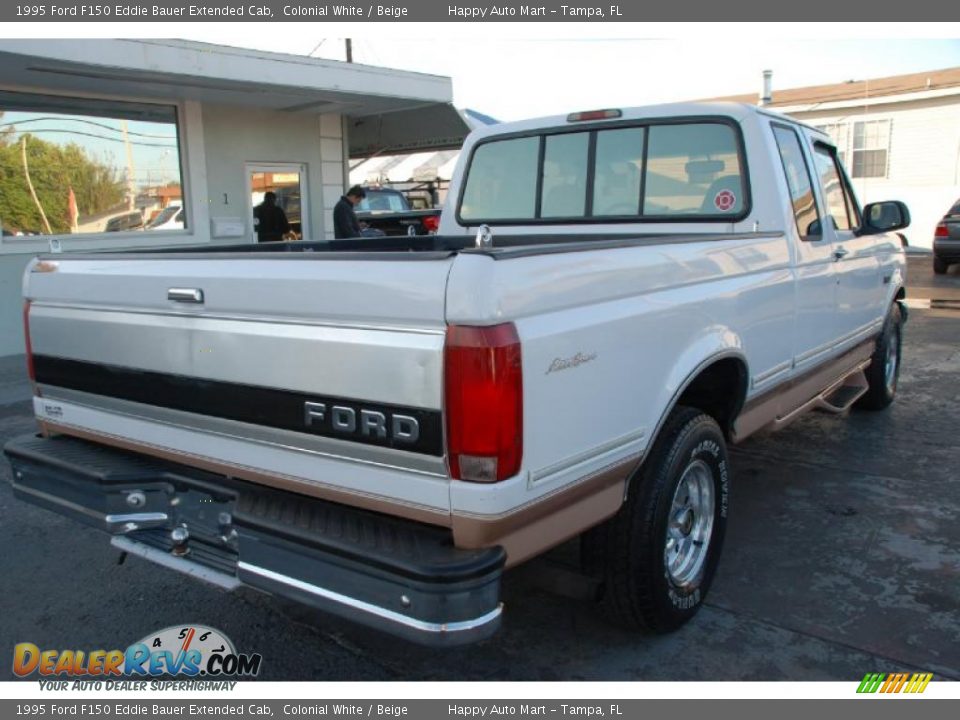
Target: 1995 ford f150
{"points": [[379, 427]]}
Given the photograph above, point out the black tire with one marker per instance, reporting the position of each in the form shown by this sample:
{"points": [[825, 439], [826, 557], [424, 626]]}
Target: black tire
{"points": [[939, 266], [628, 552], [883, 386]]}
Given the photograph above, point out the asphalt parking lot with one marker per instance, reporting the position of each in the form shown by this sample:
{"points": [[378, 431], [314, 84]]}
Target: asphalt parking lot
{"points": [[842, 557]]}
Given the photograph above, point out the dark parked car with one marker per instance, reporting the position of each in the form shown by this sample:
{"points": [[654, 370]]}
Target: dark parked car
{"points": [[389, 212], [128, 221], [946, 240]]}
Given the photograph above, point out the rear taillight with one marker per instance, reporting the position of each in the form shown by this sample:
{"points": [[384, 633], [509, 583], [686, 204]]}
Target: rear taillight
{"points": [[483, 386], [941, 230], [26, 339], [431, 223]]}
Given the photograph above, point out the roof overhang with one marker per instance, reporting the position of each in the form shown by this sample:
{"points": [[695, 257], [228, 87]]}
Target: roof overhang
{"points": [[407, 109], [440, 127]]}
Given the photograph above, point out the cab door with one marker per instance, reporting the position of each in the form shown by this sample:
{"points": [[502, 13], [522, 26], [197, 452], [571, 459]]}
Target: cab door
{"points": [[857, 266], [815, 284]]}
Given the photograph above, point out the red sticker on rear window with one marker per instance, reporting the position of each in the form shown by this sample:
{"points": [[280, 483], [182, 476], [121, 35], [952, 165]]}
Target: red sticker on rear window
{"points": [[724, 200]]}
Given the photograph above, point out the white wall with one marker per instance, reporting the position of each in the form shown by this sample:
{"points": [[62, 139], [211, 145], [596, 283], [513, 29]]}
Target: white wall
{"points": [[235, 136], [924, 162]]}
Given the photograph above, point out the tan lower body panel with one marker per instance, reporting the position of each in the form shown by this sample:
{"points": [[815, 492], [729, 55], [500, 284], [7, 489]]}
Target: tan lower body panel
{"points": [[783, 402], [549, 521]]}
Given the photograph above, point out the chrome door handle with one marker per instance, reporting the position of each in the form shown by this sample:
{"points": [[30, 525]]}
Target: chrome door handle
{"points": [[185, 295], [840, 253]]}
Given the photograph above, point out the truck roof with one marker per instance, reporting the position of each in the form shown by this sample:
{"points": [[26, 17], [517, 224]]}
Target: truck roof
{"points": [[735, 111]]}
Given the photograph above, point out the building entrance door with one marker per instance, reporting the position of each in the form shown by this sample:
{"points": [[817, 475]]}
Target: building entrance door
{"points": [[287, 181]]}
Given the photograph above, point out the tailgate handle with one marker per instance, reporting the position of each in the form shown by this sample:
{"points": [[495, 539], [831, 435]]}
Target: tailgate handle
{"points": [[185, 295]]}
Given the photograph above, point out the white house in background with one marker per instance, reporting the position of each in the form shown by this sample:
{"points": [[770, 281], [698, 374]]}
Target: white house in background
{"points": [[899, 138], [215, 126]]}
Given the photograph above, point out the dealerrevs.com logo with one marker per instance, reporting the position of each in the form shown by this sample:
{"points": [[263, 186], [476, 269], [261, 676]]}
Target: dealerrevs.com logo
{"points": [[191, 651]]}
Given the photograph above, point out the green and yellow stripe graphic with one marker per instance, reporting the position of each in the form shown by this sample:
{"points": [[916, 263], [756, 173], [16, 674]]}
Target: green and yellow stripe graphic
{"points": [[894, 682]]}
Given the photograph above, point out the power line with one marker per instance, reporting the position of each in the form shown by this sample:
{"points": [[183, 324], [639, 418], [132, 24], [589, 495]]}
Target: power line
{"points": [[86, 134], [56, 118]]}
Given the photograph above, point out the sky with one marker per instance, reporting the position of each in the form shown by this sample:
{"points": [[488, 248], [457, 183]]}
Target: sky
{"points": [[512, 75], [511, 79]]}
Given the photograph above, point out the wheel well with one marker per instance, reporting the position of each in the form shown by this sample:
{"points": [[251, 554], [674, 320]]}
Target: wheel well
{"points": [[719, 391]]}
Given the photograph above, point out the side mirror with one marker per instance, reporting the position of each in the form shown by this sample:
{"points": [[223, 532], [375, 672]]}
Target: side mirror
{"points": [[885, 216]]}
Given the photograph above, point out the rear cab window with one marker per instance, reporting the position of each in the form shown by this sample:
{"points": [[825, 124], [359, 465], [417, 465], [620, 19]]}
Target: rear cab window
{"points": [[664, 170]]}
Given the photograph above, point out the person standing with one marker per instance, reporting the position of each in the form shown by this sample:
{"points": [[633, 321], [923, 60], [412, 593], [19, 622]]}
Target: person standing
{"points": [[272, 222], [345, 223]]}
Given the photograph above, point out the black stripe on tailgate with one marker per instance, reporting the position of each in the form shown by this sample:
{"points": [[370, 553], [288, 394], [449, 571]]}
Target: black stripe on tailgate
{"points": [[403, 428]]}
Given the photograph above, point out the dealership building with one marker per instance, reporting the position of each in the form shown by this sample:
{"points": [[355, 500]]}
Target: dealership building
{"points": [[109, 144]]}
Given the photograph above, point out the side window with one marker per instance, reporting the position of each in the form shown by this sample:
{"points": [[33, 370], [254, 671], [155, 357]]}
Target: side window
{"points": [[617, 171], [79, 166], [798, 181], [564, 192], [836, 194], [502, 182], [693, 169]]}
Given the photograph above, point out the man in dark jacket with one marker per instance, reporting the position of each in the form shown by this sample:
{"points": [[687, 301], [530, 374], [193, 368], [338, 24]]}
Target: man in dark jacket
{"points": [[345, 224], [271, 222]]}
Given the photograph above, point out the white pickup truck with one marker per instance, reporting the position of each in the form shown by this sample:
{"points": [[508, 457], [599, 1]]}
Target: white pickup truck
{"points": [[378, 427]]}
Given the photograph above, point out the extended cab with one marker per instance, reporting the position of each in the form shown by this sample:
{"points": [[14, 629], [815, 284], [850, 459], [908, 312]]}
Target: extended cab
{"points": [[378, 427]]}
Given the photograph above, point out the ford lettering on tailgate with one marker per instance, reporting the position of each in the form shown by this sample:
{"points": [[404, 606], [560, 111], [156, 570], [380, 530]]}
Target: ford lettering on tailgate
{"points": [[404, 428]]}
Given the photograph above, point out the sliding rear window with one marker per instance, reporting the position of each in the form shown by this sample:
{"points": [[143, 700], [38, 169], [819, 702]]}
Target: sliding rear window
{"points": [[668, 171]]}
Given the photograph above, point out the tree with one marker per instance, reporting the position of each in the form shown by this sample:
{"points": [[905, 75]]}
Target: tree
{"points": [[54, 169]]}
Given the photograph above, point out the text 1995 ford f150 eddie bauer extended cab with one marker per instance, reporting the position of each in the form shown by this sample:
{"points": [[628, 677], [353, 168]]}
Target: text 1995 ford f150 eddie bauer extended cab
{"points": [[379, 427]]}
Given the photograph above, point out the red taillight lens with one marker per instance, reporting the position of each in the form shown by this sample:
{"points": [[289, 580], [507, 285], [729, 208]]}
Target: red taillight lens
{"points": [[483, 382], [941, 230], [431, 223], [26, 339]]}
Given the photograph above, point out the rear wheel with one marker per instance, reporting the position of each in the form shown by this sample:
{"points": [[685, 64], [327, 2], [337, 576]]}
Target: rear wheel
{"points": [[939, 266], [657, 557], [883, 375]]}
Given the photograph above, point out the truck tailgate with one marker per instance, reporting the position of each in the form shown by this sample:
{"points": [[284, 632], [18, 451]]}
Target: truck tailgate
{"points": [[316, 374]]}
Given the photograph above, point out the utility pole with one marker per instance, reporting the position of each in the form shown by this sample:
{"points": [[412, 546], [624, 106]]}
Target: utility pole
{"points": [[349, 44], [33, 193], [131, 188]]}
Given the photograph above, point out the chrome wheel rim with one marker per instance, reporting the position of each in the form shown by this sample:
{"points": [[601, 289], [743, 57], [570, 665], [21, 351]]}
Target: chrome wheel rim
{"points": [[891, 362], [690, 526]]}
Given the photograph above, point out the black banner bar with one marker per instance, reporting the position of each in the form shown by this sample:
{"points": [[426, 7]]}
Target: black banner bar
{"points": [[227, 705], [467, 11]]}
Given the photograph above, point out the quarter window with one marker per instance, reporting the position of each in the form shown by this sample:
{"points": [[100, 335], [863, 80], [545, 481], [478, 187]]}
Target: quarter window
{"points": [[798, 181]]}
